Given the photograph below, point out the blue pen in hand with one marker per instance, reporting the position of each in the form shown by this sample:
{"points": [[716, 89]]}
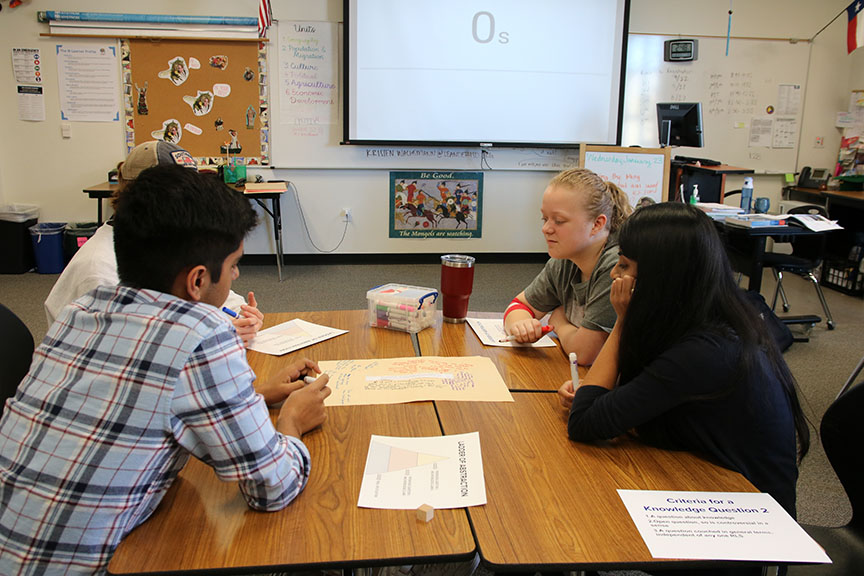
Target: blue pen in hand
{"points": [[230, 312]]}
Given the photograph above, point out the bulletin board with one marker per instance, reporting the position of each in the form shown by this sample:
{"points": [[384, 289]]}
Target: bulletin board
{"points": [[208, 97], [642, 173], [752, 99]]}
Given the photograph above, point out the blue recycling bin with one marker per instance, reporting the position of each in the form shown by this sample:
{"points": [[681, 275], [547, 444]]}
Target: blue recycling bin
{"points": [[47, 240]]}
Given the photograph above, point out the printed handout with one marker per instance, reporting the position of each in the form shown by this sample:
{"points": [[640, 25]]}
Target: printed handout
{"points": [[719, 526], [397, 380], [491, 332], [441, 471], [290, 336]]}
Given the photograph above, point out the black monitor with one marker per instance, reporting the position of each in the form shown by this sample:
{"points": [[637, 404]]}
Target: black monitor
{"points": [[680, 124]]}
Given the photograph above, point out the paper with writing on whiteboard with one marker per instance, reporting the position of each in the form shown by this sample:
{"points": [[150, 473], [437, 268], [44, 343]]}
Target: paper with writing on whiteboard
{"points": [[414, 379], [491, 331], [405, 473], [719, 526], [290, 336]]}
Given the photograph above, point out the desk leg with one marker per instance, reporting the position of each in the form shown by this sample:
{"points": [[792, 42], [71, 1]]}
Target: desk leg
{"points": [[99, 211], [756, 266], [276, 203]]}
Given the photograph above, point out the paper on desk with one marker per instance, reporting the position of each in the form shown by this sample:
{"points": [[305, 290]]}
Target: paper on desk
{"points": [[490, 331], [719, 526], [290, 336], [413, 379], [441, 471]]}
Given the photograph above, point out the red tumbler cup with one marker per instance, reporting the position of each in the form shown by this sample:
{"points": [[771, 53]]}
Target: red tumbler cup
{"points": [[457, 279]]}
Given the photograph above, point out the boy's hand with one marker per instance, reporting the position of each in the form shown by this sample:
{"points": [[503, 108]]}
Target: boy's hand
{"points": [[304, 409], [250, 320], [286, 381]]}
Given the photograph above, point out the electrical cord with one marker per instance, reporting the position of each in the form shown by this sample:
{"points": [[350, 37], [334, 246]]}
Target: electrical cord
{"points": [[484, 162], [306, 228]]}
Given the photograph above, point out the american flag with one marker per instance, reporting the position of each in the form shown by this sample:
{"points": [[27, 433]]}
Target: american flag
{"points": [[855, 32], [265, 17]]}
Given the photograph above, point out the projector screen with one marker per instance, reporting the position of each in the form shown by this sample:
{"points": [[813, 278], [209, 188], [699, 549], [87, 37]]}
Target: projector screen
{"points": [[466, 72]]}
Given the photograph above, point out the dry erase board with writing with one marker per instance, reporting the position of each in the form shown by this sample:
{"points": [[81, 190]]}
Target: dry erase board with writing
{"points": [[642, 173], [756, 92], [306, 115]]}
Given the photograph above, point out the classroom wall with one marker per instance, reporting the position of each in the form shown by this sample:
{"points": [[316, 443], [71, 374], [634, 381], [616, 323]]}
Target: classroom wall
{"points": [[38, 166]]}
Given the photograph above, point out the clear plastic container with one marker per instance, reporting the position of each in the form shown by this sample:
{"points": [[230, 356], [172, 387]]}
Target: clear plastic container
{"points": [[402, 307]]}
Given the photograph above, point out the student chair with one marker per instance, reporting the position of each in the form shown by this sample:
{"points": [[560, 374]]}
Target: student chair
{"points": [[806, 256], [15, 354], [842, 429]]}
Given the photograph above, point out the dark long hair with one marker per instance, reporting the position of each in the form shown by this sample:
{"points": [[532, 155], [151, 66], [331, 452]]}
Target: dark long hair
{"points": [[685, 283]]}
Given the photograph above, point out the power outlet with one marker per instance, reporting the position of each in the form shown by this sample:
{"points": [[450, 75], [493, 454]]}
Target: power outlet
{"points": [[346, 215]]}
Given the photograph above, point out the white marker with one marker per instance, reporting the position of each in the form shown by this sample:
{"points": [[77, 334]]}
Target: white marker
{"points": [[574, 370], [309, 379]]}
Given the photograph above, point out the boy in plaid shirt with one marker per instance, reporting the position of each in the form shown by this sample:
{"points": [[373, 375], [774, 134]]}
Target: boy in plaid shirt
{"points": [[131, 380]]}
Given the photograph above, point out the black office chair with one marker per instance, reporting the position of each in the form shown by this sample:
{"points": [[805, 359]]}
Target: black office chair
{"points": [[842, 432], [806, 256], [15, 354]]}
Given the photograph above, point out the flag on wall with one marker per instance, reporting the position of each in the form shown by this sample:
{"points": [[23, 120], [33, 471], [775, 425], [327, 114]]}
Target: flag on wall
{"points": [[265, 17], [855, 32]]}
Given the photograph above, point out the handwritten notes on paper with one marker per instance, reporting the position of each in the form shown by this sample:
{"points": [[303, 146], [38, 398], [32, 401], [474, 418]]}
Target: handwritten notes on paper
{"points": [[397, 380], [441, 471], [642, 173], [290, 336], [491, 332], [719, 526]]}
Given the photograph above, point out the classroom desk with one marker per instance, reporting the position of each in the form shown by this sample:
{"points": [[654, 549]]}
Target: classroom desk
{"points": [[552, 503], [204, 524], [746, 247], [99, 192], [107, 189], [522, 368], [711, 180]]}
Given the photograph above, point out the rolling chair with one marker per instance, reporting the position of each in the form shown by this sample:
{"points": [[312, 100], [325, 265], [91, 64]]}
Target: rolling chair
{"points": [[842, 431], [806, 256], [15, 353]]}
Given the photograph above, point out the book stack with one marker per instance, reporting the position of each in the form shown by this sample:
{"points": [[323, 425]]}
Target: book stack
{"points": [[754, 220], [719, 211], [253, 187]]}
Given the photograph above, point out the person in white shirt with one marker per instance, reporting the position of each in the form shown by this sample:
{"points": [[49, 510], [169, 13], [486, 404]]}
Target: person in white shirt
{"points": [[95, 264]]}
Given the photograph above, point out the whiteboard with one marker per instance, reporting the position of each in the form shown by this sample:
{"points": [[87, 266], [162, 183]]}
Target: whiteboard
{"points": [[305, 81], [736, 92], [640, 172]]}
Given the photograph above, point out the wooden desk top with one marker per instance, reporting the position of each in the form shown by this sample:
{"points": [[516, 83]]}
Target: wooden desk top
{"points": [[204, 524], [552, 503], [102, 190], [522, 368]]}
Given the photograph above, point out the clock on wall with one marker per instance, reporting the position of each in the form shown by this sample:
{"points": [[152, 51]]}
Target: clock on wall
{"points": [[680, 50]]}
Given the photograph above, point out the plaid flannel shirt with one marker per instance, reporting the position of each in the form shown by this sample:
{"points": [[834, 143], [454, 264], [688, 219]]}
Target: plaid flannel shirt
{"points": [[126, 385]]}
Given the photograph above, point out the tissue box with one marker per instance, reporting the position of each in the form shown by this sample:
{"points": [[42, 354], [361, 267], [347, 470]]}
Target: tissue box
{"points": [[402, 307]]}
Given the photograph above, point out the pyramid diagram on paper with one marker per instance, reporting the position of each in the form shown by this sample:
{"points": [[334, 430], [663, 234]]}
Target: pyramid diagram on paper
{"points": [[384, 458]]}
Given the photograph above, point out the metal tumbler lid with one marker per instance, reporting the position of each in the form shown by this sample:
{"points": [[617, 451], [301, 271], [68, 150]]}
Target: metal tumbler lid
{"points": [[457, 261]]}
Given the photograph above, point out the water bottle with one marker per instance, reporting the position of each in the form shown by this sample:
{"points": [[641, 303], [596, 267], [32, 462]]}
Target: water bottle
{"points": [[747, 194]]}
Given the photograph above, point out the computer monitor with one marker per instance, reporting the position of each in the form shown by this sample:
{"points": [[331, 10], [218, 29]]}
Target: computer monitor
{"points": [[680, 124]]}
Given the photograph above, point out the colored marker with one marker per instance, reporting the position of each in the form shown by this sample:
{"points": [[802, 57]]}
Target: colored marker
{"points": [[512, 338], [230, 312], [574, 370]]}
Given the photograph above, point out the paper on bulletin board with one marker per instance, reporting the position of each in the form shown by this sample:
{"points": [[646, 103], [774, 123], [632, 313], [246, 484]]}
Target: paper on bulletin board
{"points": [[414, 379], [27, 65], [89, 82], [441, 471], [719, 526], [31, 103]]}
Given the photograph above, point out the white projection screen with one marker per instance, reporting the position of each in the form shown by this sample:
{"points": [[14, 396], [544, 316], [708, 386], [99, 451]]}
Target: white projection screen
{"points": [[464, 72]]}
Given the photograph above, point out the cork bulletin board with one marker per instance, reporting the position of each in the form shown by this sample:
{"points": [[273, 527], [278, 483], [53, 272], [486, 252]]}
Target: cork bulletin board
{"points": [[209, 97]]}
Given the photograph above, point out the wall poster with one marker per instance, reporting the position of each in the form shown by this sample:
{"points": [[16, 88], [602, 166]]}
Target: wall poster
{"points": [[436, 204]]}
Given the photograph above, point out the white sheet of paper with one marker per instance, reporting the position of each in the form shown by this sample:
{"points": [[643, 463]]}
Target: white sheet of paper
{"points": [[290, 336], [491, 330], [414, 379], [88, 82], [719, 526], [405, 473], [31, 103]]}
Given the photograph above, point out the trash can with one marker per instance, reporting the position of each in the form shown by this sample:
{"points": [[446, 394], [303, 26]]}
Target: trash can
{"points": [[75, 235], [47, 240], [16, 250]]}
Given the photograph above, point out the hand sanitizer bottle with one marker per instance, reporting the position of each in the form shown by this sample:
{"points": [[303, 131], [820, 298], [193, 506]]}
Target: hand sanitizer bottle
{"points": [[694, 197], [747, 194]]}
